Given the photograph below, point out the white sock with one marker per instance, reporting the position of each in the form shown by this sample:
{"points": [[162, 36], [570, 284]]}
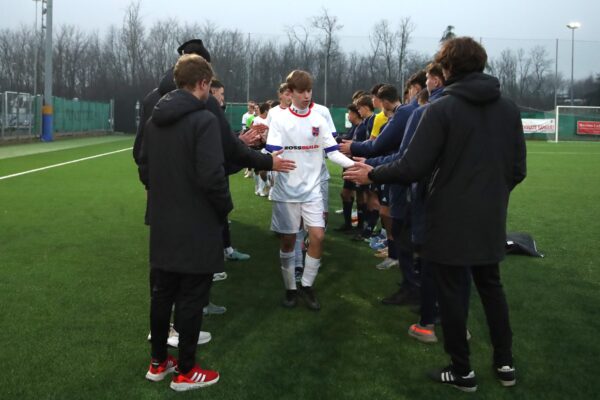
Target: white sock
{"points": [[298, 248], [287, 269], [311, 269], [258, 183], [228, 251]]}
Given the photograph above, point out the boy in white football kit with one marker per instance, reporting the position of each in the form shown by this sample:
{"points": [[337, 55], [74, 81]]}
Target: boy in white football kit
{"points": [[324, 112], [303, 136]]}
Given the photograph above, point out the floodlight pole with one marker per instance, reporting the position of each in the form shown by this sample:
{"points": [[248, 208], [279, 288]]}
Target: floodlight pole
{"points": [[47, 111], [35, 52], [572, 26], [248, 70], [556, 75]]}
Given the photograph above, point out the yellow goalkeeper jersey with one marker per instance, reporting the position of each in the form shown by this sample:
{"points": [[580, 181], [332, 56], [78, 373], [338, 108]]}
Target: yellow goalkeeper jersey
{"points": [[380, 121]]}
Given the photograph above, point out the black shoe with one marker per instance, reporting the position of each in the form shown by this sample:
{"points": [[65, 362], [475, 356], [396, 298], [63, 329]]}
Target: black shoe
{"points": [[290, 299], [352, 231], [344, 228], [360, 237], [506, 375], [308, 296], [466, 383], [402, 297]]}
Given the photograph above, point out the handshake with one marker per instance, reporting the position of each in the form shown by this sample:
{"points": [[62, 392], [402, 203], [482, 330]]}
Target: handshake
{"points": [[359, 172]]}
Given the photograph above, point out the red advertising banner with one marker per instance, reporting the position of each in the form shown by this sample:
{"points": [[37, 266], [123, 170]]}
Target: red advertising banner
{"points": [[588, 127]]}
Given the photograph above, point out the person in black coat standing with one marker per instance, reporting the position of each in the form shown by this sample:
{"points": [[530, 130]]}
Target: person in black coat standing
{"points": [[235, 149], [181, 164], [470, 146]]}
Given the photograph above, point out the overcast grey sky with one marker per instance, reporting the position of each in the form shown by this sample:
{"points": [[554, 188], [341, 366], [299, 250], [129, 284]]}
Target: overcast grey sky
{"points": [[501, 24]]}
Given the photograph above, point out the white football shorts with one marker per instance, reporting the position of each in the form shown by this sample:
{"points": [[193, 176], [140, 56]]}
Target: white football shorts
{"points": [[287, 217]]}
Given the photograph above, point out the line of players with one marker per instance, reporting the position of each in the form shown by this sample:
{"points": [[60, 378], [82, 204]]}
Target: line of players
{"points": [[381, 125], [303, 131]]}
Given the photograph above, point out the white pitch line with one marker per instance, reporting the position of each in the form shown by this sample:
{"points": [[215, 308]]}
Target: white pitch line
{"points": [[570, 153], [64, 163]]}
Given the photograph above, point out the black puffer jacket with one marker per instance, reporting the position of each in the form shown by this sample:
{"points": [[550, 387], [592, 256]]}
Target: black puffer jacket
{"points": [[181, 163], [470, 145]]}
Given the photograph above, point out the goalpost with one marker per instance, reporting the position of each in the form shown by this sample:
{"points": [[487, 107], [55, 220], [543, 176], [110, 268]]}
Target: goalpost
{"points": [[577, 123]]}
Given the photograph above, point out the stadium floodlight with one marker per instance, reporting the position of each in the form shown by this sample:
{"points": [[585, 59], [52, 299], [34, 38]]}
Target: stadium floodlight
{"points": [[572, 26]]}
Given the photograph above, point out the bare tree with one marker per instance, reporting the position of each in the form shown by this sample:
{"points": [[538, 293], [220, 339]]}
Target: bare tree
{"points": [[132, 36], [523, 66], [299, 36], [448, 34], [375, 56], [383, 41], [505, 69], [540, 64], [403, 34], [329, 25]]}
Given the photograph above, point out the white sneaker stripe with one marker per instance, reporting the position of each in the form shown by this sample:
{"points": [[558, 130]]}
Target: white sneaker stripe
{"points": [[194, 376], [203, 377]]}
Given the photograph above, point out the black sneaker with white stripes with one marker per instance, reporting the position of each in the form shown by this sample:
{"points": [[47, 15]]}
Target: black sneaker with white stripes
{"points": [[506, 375], [466, 383]]}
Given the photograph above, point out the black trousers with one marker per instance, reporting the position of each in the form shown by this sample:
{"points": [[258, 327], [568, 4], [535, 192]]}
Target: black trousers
{"points": [[189, 293], [450, 284], [429, 297], [226, 234], [405, 252]]}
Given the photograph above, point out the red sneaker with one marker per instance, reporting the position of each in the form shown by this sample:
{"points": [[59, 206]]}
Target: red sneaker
{"points": [[157, 371], [196, 378], [425, 334]]}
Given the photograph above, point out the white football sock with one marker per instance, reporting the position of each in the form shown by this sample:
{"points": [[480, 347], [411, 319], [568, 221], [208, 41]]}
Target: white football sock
{"points": [[311, 269], [298, 248], [258, 183], [287, 269]]}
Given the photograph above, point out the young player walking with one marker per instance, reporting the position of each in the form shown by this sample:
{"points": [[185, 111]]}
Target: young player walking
{"points": [[305, 137]]}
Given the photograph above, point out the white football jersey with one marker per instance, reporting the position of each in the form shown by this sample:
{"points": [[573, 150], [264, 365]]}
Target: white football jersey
{"points": [[259, 121], [304, 139], [272, 112], [324, 112]]}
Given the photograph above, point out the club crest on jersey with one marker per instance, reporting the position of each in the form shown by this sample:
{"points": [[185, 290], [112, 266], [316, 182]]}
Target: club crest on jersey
{"points": [[315, 131]]}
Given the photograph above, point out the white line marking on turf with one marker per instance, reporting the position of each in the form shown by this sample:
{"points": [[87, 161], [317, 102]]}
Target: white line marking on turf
{"points": [[64, 163], [571, 153]]}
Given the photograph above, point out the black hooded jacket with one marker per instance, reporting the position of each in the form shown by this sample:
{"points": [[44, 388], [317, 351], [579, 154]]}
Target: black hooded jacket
{"points": [[181, 164], [470, 145], [237, 154]]}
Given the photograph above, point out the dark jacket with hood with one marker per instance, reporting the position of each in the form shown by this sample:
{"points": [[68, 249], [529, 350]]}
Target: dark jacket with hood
{"points": [[470, 145], [181, 164], [237, 154]]}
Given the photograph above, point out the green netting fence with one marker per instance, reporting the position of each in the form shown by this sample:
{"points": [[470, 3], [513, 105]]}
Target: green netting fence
{"points": [[81, 116], [567, 121]]}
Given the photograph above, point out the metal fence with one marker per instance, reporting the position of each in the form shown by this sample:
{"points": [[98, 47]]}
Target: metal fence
{"points": [[21, 116]]}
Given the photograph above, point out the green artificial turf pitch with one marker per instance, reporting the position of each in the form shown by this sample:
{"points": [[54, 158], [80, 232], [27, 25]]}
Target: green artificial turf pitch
{"points": [[74, 293]]}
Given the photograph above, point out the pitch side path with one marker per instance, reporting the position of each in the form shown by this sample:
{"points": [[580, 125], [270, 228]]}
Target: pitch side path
{"points": [[74, 292]]}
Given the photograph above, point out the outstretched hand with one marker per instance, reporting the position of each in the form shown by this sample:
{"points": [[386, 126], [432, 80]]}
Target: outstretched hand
{"points": [[251, 137], [358, 173], [345, 147], [282, 164]]}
